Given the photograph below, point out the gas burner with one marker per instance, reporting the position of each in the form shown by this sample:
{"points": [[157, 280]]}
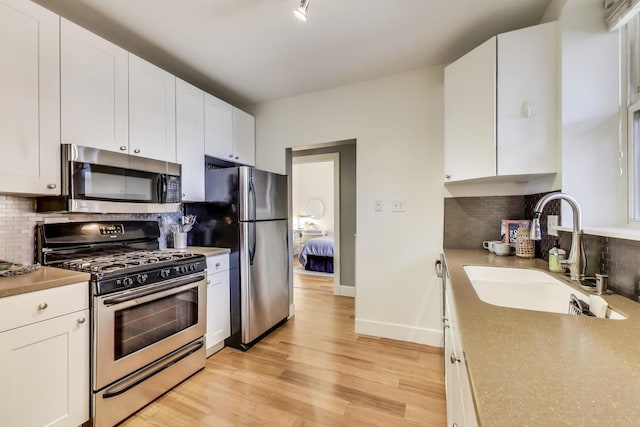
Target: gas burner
{"points": [[123, 261]]}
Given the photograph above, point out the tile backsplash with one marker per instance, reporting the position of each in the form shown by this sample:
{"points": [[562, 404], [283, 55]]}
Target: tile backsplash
{"points": [[18, 219]]}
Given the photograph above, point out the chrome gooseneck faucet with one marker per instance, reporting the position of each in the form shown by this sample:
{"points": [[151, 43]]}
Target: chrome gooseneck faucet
{"points": [[577, 261]]}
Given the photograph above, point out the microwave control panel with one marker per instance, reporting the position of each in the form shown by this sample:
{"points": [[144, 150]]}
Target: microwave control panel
{"points": [[174, 189]]}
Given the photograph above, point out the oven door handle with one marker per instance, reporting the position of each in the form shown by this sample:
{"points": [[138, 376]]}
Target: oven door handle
{"points": [[156, 289], [171, 360]]}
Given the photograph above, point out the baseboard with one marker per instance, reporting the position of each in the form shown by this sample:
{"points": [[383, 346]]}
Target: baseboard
{"points": [[292, 311], [348, 291], [431, 337]]}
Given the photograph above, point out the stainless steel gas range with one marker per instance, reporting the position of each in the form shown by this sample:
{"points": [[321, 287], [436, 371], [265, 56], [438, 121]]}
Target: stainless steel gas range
{"points": [[148, 309]]}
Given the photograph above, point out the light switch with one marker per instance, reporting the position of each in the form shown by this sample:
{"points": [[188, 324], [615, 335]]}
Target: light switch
{"points": [[552, 225], [378, 206], [398, 206]]}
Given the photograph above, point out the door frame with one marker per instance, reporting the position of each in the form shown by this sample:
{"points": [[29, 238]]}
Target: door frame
{"points": [[335, 159]]}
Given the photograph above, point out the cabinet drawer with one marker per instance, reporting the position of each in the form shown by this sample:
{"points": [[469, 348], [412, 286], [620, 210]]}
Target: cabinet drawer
{"points": [[217, 263], [32, 307]]}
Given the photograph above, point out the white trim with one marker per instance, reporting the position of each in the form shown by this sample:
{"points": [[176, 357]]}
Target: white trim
{"points": [[431, 337], [214, 348], [348, 291], [292, 310], [615, 232]]}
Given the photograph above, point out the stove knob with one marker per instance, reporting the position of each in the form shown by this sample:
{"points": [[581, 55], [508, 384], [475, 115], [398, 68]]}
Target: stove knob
{"points": [[127, 281], [164, 273], [141, 278], [192, 267]]}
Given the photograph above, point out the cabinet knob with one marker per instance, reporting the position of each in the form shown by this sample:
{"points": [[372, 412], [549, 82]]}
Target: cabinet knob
{"points": [[43, 306], [184, 194], [453, 358], [231, 156], [208, 282], [217, 264], [123, 148], [51, 186], [81, 320], [237, 157], [447, 177], [137, 151]]}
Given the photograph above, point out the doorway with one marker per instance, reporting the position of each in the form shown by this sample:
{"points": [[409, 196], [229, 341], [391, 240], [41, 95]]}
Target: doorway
{"points": [[316, 220]]}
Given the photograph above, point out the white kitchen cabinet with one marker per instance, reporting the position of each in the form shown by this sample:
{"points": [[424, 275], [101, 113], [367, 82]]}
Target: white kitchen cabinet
{"points": [[94, 90], [152, 111], [190, 139], [30, 100], [460, 406], [244, 138], [229, 132], [218, 303], [218, 128], [501, 107], [44, 350]]}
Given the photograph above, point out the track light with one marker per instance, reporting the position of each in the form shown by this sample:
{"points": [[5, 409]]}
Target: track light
{"points": [[301, 12]]}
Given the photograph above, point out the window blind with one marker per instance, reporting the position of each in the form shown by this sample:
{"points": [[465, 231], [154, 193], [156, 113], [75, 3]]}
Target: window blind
{"points": [[619, 12]]}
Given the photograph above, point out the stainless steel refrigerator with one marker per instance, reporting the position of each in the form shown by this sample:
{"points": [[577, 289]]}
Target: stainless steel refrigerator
{"points": [[246, 211]]}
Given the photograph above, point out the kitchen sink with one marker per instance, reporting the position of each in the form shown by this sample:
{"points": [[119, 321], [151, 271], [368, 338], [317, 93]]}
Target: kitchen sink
{"points": [[525, 289]]}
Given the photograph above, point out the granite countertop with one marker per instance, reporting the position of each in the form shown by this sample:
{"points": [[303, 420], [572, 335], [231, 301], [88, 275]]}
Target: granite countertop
{"points": [[540, 369], [44, 278], [208, 251]]}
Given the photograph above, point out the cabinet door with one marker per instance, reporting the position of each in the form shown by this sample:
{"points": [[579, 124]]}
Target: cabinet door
{"points": [[152, 111], [30, 99], [218, 128], [190, 139], [45, 372], [94, 90], [218, 308], [528, 100], [470, 115], [244, 138]]}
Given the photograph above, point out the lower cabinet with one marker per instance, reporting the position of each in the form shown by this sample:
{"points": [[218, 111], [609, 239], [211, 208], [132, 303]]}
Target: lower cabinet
{"points": [[460, 407], [218, 303], [45, 363]]}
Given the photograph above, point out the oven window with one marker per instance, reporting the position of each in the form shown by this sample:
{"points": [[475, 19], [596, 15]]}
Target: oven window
{"points": [[142, 325]]}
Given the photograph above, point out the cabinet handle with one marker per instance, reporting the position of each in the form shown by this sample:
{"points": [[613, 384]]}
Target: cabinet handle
{"points": [[454, 425], [123, 148], [81, 320], [445, 323], [231, 156], [237, 157], [453, 358], [137, 151], [448, 177], [51, 186], [43, 306], [208, 282]]}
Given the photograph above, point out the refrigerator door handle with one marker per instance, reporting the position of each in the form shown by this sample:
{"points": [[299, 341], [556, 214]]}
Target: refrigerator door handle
{"points": [[252, 250]]}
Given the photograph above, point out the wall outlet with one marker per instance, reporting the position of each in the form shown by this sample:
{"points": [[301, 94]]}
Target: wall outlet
{"points": [[398, 206], [552, 225], [377, 206]]}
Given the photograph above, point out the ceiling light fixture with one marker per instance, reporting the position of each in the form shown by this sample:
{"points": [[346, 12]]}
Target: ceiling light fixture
{"points": [[301, 12]]}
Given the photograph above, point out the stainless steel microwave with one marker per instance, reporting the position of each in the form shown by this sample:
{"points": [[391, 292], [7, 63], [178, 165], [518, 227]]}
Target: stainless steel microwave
{"points": [[101, 181]]}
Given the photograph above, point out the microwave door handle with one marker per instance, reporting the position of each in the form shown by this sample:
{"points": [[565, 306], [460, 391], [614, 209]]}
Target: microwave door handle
{"points": [[159, 188]]}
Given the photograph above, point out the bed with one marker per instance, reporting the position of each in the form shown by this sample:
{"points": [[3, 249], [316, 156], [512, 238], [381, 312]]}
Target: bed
{"points": [[317, 254]]}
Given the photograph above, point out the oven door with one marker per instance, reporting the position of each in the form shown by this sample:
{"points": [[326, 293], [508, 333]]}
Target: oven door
{"points": [[134, 328]]}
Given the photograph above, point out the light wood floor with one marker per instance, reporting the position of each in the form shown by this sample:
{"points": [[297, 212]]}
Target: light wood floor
{"points": [[312, 371]]}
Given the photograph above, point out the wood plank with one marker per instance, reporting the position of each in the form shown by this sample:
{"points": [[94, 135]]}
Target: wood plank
{"points": [[312, 371]]}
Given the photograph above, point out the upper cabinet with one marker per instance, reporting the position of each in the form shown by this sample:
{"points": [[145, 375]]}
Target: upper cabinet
{"points": [[30, 100], [190, 139], [229, 132], [244, 138], [94, 90], [152, 111], [501, 107]]}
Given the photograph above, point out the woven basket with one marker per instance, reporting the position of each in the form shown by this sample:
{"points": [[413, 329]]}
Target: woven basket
{"points": [[525, 247]]}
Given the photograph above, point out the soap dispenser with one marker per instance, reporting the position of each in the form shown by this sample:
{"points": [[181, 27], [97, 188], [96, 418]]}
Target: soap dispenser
{"points": [[556, 254]]}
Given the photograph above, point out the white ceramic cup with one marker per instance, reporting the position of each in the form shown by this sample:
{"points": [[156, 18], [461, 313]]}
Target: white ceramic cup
{"points": [[502, 249], [180, 240], [490, 245]]}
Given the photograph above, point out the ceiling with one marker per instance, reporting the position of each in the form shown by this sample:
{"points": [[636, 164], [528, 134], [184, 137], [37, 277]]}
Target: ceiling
{"points": [[252, 51]]}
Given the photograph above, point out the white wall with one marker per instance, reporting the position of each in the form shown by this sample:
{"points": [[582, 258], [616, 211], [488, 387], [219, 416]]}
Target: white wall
{"points": [[398, 124], [314, 180]]}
